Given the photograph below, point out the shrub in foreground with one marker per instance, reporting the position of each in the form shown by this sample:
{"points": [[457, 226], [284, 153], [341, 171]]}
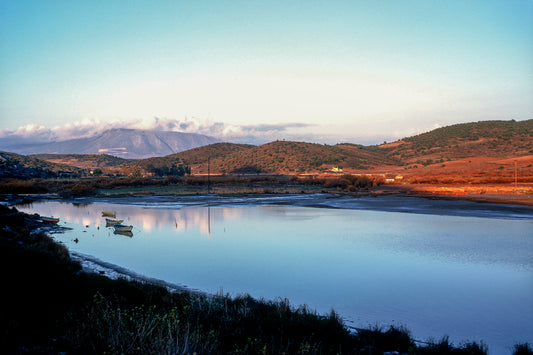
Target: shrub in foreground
{"points": [[522, 349]]}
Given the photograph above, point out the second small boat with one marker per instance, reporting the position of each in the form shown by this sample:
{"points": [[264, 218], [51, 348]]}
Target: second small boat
{"points": [[111, 222], [49, 219]]}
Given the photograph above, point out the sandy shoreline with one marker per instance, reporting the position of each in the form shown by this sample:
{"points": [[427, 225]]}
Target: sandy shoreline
{"points": [[92, 264]]}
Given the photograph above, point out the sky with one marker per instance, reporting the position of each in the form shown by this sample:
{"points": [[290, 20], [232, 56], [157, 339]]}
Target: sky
{"points": [[257, 71]]}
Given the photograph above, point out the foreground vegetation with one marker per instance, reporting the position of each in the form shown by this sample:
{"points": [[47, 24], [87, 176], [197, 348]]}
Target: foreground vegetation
{"points": [[51, 306]]}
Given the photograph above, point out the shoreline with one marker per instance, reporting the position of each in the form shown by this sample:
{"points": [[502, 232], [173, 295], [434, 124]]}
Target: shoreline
{"points": [[91, 264], [503, 194], [491, 194]]}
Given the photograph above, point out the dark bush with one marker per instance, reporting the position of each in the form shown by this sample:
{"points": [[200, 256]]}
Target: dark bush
{"points": [[522, 349]]}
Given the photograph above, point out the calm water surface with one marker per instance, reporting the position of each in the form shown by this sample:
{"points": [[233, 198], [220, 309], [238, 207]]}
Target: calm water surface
{"points": [[467, 277]]}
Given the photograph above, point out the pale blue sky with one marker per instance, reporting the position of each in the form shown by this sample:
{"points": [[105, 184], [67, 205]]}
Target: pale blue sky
{"points": [[358, 71]]}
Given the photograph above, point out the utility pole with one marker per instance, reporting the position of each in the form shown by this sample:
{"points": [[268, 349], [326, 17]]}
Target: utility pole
{"points": [[515, 175], [208, 173]]}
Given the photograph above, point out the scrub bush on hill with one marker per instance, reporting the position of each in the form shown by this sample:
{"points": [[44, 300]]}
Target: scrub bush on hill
{"points": [[172, 170], [352, 182], [80, 189]]}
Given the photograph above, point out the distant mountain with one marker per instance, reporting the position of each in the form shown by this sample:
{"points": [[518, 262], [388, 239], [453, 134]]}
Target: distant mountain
{"points": [[121, 142]]}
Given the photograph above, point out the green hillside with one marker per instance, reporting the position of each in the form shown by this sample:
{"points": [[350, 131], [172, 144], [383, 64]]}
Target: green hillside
{"points": [[485, 138]]}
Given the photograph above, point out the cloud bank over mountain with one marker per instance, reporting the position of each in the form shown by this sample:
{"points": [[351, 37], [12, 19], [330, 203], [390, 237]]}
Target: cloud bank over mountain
{"points": [[252, 134], [255, 134]]}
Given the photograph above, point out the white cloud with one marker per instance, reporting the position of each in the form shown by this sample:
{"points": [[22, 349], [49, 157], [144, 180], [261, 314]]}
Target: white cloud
{"points": [[32, 132], [255, 134]]}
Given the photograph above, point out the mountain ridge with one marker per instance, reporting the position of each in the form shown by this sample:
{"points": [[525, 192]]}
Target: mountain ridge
{"points": [[121, 142]]}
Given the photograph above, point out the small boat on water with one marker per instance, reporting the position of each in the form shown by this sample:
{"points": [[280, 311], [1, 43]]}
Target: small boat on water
{"points": [[49, 219], [109, 214], [122, 228], [110, 222]]}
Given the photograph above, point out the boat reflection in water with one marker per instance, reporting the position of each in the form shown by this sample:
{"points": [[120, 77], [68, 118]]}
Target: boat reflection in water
{"points": [[124, 233]]}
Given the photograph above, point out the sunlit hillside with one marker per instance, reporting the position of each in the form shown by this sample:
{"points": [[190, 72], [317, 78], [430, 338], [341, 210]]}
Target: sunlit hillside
{"points": [[83, 161], [295, 157], [190, 157], [486, 138], [23, 167]]}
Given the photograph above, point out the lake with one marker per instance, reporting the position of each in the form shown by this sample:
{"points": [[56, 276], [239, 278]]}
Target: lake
{"points": [[455, 268]]}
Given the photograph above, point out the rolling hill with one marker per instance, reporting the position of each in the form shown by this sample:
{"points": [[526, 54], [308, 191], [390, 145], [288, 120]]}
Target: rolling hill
{"points": [[83, 161], [191, 157], [486, 138], [278, 157], [283, 157], [22, 167]]}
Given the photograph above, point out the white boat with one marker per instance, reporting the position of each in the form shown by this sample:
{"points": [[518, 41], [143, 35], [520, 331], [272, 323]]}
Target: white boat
{"points": [[122, 228], [110, 222], [109, 214]]}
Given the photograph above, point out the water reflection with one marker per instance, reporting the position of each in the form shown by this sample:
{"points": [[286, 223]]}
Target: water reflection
{"points": [[143, 219], [470, 278]]}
